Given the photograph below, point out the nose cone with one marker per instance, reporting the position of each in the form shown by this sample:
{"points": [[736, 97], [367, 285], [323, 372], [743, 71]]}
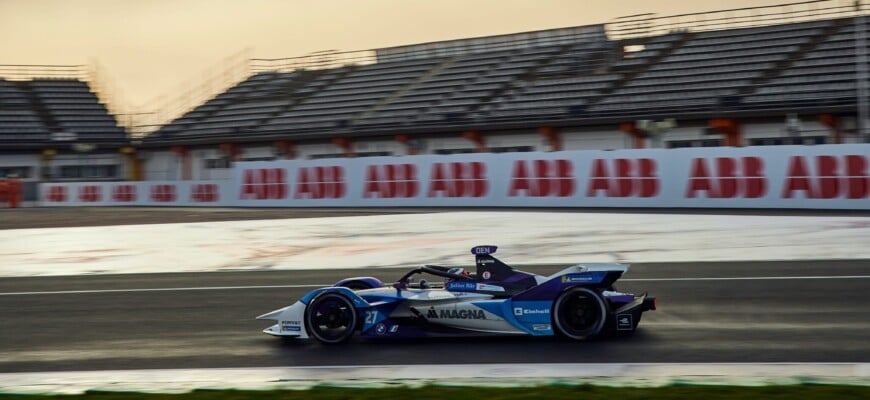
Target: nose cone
{"points": [[274, 315]]}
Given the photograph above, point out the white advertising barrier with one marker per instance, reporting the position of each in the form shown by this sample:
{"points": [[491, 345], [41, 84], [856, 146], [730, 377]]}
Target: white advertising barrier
{"points": [[152, 193], [821, 177]]}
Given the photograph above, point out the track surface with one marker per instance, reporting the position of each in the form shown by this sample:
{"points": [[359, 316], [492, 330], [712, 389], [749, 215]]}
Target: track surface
{"points": [[708, 320]]}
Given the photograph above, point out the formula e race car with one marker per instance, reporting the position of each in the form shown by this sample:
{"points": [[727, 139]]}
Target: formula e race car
{"points": [[578, 302]]}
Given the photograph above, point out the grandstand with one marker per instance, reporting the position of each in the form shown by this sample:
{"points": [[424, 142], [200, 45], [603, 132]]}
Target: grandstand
{"points": [[764, 75]]}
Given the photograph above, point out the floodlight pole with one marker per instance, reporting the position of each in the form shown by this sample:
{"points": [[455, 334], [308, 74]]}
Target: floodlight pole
{"points": [[861, 73]]}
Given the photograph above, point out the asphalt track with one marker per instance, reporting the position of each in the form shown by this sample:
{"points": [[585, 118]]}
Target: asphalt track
{"points": [[806, 311]]}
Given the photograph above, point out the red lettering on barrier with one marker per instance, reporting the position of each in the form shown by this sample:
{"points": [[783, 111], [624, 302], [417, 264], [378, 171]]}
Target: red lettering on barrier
{"points": [[458, 179], [630, 178], [204, 193], [836, 177], [727, 178], [264, 184], [320, 183], [391, 181], [90, 194], [163, 193], [544, 178], [124, 193], [56, 194]]}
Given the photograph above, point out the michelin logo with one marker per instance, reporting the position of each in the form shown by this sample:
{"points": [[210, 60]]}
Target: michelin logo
{"points": [[519, 311], [576, 278]]}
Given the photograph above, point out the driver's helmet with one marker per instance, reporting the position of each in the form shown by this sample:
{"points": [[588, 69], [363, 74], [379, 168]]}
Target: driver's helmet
{"points": [[455, 271]]}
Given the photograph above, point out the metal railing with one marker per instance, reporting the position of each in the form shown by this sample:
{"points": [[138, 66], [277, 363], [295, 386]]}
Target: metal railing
{"points": [[645, 25]]}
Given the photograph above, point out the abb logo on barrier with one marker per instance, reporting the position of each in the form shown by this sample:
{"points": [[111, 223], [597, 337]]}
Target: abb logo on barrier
{"points": [[320, 183], [391, 181], [204, 193], [124, 193], [727, 178], [623, 177], [163, 193], [458, 179], [835, 177], [56, 194], [90, 193], [264, 184], [542, 178]]}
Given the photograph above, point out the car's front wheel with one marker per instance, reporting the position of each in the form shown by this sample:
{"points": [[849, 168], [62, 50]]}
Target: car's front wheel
{"points": [[579, 313], [331, 318]]}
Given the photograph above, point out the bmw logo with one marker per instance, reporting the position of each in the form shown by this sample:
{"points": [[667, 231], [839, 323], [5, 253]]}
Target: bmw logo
{"points": [[380, 329]]}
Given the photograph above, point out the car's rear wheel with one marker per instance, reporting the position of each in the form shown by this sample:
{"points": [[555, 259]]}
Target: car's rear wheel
{"points": [[579, 313], [331, 318]]}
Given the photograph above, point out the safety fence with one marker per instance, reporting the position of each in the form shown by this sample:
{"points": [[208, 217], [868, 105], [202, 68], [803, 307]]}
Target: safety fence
{"points": [[781, 177]]}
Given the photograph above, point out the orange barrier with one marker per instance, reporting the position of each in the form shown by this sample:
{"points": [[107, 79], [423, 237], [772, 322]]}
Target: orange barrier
{"points": [[10, 192]]}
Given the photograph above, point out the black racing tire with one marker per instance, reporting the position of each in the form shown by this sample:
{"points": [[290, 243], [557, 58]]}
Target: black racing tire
{"points": [[579, 313], [357, 285], [331, 318]]}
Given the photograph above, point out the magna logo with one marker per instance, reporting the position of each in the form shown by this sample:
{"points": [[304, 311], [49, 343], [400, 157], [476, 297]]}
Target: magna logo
{"points": [[727, 178], [391, 181], [320, 183], [834, 177], [264, 184], [124, 193], [163, 193], [623, 177], [458, 179], [542, 178], [56, 194], [90, 193], [455, 314], [204, 193]]}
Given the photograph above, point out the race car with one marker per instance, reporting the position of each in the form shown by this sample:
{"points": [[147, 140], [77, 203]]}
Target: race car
{"points": [[578, 302]]}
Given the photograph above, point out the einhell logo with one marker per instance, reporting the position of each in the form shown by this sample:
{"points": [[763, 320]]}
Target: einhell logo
{"points": [[204, 193], [90, 194], [542, 178], [163, 193], [56, 194], [320, 183], [458, 179], [727, 178], [623, 177], [124, 193], [827, 177], [264, 184], [391, 181]]}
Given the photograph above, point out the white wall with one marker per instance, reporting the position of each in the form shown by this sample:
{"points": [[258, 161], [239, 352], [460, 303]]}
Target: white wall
{"points": [[162, 166], [595, 139]]}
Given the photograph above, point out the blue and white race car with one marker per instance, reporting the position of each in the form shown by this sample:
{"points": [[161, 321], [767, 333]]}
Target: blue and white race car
{"points": [[578, 302]]}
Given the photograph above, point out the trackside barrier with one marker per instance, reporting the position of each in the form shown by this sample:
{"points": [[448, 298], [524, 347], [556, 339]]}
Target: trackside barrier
{"points": [[809, 177], [10, 192]]}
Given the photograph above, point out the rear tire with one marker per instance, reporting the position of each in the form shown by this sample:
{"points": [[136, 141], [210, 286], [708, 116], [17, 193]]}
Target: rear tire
{"points": [[579, 313], [331, 318]]}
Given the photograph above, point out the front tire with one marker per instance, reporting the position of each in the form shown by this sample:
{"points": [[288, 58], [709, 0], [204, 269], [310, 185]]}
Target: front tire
{"points": [[331, 318], [579, 313]]}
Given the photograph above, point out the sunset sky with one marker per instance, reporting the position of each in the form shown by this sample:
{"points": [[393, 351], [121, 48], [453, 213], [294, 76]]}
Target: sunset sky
{"points": [[153, 47]]}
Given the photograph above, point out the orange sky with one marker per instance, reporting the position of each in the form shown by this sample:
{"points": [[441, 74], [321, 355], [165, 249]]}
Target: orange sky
{"points": [[153, 47]]}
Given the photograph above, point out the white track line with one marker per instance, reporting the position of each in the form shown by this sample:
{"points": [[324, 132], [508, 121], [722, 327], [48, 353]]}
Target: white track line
{"points": [[185, 289], [177, 289], [611, 374]]}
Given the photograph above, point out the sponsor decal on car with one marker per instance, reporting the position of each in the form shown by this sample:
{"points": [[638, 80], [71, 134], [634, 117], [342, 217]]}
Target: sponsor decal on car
{"points": [[541, 327], [380, 329], [624, 322], [518, 311], [291, 326], [455, 314], [576, 278]]}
